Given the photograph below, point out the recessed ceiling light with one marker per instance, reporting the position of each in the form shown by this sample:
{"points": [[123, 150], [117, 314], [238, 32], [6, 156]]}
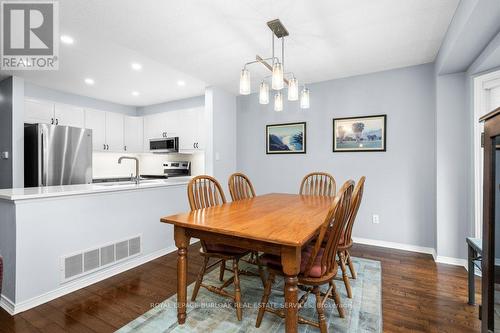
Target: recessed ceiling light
{"points": [[89, 81], [136, 66], [135, 93], [181, 83], [67, 39]]}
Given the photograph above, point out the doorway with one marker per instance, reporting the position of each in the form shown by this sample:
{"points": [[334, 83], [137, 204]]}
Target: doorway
{"points": [[486, 99]]}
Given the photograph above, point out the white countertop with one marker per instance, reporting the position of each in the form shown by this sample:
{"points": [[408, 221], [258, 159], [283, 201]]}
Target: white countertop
{"points": [[15, 194]]}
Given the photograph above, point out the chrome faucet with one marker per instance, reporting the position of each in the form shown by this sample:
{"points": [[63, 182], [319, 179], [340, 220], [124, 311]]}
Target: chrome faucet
{"points": [[137, 177]]}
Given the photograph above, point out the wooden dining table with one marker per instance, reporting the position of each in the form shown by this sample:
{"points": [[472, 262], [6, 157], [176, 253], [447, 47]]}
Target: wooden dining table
{"points": [[276, 223]]}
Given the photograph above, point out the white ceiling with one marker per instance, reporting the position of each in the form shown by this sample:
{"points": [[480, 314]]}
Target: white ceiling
{"points": [[206, 42]]}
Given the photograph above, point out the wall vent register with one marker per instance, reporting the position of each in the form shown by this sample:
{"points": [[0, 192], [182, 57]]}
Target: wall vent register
{"points": [[79, 264]]}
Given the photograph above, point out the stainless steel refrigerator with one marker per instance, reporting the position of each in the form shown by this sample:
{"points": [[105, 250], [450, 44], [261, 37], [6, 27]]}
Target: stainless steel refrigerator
{"points": [[57, 155]]}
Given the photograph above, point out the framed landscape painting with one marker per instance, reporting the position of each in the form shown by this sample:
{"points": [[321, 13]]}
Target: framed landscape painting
{"points": [[286, 138], [359, 134]]}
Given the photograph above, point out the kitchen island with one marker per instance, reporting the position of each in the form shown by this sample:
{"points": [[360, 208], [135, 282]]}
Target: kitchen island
{"points": [[74, 235]]}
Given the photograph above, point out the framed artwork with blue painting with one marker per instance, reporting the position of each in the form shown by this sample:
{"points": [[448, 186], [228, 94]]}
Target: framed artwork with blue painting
{"points": [[286, 138], [356, 134]]}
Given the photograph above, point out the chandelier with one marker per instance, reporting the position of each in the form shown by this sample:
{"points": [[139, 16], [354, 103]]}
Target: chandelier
{"points": [[278, 77]]}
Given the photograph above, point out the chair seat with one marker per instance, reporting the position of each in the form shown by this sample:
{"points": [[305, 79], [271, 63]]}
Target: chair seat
{"points": [[226, 249], [274, 261]]}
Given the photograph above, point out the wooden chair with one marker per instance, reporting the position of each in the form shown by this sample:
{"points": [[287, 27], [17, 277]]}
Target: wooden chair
{"points": [[240, 187], [346, 238], [203, 192], [318, 266], [318, 183]]}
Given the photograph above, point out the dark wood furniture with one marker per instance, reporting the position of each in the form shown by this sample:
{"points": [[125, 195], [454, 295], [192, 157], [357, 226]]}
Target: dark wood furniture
{"points": [[203, 192], [318, 183], [255, 224], [490, 191], [318, 262], [240, 187], [346, 238], [474, 257]]}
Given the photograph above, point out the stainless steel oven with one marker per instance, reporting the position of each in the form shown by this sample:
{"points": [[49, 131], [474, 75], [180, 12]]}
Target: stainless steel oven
{"points": [[164, 145]]}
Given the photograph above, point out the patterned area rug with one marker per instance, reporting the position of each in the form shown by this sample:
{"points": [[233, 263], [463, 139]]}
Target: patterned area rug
{"points": [[213, 313]]}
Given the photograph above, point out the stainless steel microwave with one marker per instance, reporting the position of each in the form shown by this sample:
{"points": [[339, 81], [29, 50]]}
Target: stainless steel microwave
{"points": [[164, 145]]}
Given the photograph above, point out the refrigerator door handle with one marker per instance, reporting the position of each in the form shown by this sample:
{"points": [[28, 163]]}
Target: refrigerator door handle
{"points": [[41, 160]]}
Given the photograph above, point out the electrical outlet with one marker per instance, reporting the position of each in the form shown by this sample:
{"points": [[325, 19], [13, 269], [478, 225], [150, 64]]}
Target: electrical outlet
{"points": [[375, 219]]}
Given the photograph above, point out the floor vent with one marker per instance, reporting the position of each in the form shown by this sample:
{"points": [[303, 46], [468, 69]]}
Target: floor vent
{"points": [[79, 264]]}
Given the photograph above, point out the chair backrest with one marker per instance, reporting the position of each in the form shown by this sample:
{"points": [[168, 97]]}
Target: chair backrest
{"points": [[240, 187], [332, 228], [205, 191], [318, 183], [357, 195]]}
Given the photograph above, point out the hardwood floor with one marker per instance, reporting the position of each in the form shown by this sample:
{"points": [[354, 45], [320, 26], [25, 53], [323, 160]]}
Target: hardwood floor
{"points": [[418, 296]]}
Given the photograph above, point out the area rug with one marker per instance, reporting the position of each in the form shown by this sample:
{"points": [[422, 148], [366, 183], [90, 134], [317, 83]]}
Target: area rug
{"points": [[214, 313]]}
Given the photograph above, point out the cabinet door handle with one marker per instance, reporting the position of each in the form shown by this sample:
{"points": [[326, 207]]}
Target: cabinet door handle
{"points": [[194, 145], [125, 148], [52, 121], [107, 147], [57, 121], [197, 145], [104, 146]]}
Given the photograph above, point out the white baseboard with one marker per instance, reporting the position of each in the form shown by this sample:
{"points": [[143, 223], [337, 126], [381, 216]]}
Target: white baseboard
{"points": [[398, 246], [452, 261], [413, 248], [15, 308], [7, 304]]}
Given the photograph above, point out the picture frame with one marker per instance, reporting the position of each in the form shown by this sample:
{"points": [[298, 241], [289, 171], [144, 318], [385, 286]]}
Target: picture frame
{"points": [[287, 138], [360, 134]]}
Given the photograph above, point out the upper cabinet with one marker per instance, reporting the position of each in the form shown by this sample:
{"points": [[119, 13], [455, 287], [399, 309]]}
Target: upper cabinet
{"points": [[68, 115], [107, 130], [133, 134], [96, 121], [38, 112], [192, 129], [114, 132], [52, 113]]}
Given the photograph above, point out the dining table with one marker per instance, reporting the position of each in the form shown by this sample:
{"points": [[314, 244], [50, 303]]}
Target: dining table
{"points": [[276, 223]]}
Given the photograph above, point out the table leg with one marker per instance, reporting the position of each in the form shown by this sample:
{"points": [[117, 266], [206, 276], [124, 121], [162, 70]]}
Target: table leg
{"points": [[290, 260], [472, 282], [182, 242]]}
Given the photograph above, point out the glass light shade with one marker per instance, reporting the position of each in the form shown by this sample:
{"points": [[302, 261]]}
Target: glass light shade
{"points": [[293, 89], [278, 102], [245, 82], [304, 99], [277, 81], [264, 93]]}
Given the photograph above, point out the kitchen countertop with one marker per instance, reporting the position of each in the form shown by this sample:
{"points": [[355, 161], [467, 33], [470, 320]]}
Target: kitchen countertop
{"points": [[16, 194]]}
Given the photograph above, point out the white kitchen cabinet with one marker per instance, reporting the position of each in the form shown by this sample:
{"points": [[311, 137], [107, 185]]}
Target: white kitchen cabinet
{"points": [[133, 134], [114, 132], [192, 129], [96, 121], [154, 128], [68, 115], [38, 112]]}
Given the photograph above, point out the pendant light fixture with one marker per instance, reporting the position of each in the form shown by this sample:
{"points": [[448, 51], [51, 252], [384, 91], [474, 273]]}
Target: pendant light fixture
{"points": [[293, 89], [245, 82], [278, 102], [304, 98], [264, 93], [279, 77]]}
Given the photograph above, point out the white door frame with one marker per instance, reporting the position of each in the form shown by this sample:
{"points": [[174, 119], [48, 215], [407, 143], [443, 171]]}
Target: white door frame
{"points": [[482, 86]]}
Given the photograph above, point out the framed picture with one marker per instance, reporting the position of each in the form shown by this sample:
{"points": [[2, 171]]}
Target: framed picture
{"points": [[360, 134], [286, 138]]}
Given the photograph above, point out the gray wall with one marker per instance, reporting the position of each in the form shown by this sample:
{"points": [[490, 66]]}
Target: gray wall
{"points": [[34, 91], [400, 184], [6, 132], [454, 188], [180, 104]]}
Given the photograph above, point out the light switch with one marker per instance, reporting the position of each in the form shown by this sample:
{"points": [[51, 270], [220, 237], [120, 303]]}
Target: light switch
{"points": [[4, 155]]}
